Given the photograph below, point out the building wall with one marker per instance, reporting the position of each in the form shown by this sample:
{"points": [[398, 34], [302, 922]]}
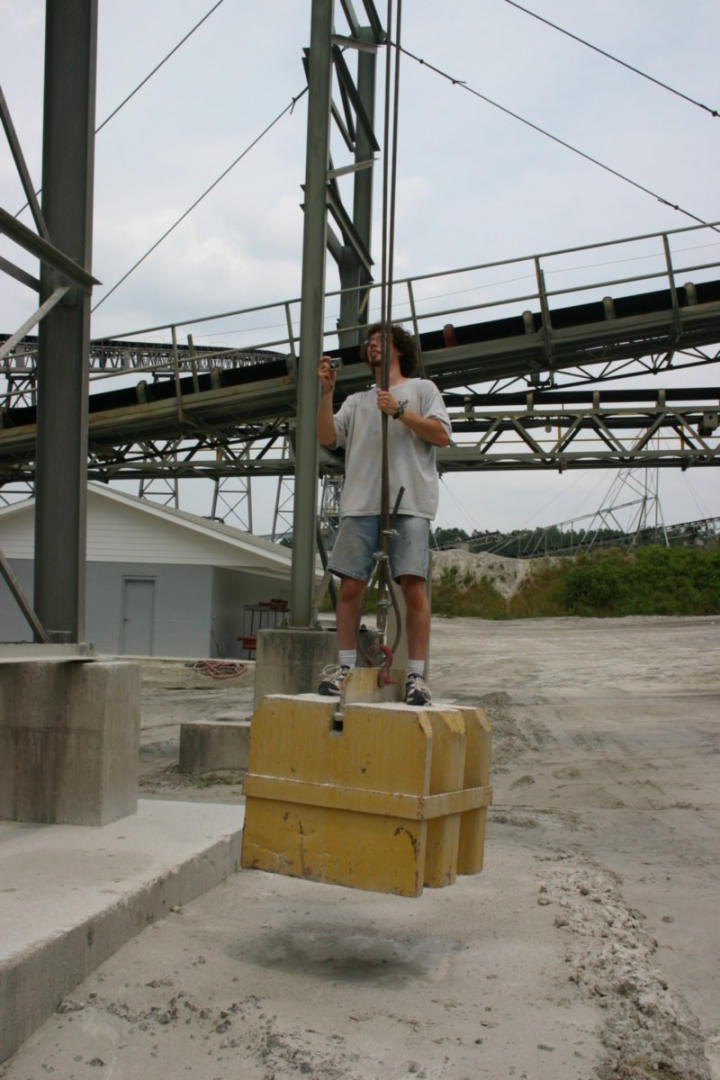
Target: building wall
{"points": [[233, 592], [197, 611], [181, 610], [13, 625], [186, 583]]}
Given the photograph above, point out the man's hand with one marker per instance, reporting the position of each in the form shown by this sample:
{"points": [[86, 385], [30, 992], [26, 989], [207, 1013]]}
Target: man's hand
{"points": [[427, 427], [325, 423], [327, 376], [386, 402]]}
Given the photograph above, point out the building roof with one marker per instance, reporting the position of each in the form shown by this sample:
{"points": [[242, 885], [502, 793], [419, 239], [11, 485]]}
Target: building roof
{"points": [[125, 528]]}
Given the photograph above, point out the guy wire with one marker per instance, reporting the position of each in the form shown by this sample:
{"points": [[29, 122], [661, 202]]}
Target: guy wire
{"points": [[384, 579]]}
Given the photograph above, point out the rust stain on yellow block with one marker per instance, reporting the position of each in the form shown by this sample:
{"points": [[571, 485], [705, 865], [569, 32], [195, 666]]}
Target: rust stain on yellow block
{"points": [[374, 802]]}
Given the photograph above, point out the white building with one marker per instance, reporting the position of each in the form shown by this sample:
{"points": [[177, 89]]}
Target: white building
{"points": [[160, 582]]}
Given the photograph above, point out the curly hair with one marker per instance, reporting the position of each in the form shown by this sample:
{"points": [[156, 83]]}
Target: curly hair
{"points": [[403, 342]]}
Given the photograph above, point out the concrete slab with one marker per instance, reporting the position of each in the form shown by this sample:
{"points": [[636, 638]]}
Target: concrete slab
{"points": [[12, 653], [70, 896]]}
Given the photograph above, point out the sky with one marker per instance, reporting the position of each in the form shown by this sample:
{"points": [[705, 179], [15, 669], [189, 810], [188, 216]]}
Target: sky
{"points": [[474, 185]]}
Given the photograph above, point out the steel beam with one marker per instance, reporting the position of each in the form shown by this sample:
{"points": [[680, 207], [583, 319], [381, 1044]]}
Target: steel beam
{"points": [[353, 273], [313, 309], [64, 336], [49, 253], [55, 298], [21, 166]]}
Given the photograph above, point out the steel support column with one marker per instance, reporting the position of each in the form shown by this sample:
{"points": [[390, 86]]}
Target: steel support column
{"points": [[63, 345], [312, 312], [353, 274]]}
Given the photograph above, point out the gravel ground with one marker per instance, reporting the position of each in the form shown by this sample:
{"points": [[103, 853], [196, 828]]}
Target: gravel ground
{"points": [[588, 949]]}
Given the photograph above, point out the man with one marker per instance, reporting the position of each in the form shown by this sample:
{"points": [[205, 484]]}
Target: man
{"points": [[418, 424]]}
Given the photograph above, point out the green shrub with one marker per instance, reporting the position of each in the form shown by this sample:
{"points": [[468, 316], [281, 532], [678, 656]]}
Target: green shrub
{"points": [[593, 586], [649, 580], [541, 593], [480, 599], [449, 576]]}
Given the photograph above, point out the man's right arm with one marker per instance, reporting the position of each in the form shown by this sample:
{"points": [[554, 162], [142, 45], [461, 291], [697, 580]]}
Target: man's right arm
{"points": [[325, 422]]}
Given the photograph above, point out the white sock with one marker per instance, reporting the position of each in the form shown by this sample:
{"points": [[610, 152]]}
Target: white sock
{"points": [[347, 657], [415, 667]]}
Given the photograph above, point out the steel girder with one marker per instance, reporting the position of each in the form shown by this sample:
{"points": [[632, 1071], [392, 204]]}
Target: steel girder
{"points": [[559, 436]]}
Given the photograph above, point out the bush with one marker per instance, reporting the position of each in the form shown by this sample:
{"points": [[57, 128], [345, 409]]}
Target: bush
{"points": [[479, 599], [593, 587], [542, 593], [650, 580]]}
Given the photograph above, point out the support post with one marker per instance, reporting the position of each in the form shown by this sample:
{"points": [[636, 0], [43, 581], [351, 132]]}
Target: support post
{"points": [[312, 312], [353, 274], [64, 335]]}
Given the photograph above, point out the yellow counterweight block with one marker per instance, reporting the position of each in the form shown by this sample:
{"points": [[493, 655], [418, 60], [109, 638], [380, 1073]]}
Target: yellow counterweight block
{"points": [[382, 796]]}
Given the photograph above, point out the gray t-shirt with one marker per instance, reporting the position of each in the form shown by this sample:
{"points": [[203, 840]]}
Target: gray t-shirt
{"points": [[358, 428]]}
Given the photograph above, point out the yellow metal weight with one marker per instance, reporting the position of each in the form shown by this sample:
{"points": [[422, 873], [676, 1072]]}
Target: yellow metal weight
{"points": [[446, 774], [376, 805], [478, 739]]}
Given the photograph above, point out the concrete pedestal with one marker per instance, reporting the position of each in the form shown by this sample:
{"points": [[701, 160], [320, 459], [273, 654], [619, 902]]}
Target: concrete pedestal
{"points": [[69, 739], [210, 745], [290, 661]]}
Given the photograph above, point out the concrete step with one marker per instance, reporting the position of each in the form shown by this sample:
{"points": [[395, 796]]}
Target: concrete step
{"points": [[71, 895]]}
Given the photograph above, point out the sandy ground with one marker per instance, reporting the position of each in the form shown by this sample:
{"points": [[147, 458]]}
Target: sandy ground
{"points": [[588, 949]]}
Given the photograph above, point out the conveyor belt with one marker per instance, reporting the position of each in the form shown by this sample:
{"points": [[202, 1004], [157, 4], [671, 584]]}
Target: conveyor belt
{"points": [[221, 400]]}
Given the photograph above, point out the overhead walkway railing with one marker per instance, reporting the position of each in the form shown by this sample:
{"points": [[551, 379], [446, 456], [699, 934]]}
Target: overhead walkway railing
{"points": [[490, 293], [563, 318], [481, 295]]}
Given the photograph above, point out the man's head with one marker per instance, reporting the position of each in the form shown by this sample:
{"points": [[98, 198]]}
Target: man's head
{"points": [[403, 342]]}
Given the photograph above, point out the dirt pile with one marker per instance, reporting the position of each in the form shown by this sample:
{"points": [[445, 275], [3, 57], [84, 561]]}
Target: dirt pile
{"points": [[506, 575]]}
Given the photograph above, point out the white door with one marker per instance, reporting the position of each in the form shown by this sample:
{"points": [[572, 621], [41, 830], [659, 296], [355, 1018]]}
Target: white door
{"points": [[136, 636]]}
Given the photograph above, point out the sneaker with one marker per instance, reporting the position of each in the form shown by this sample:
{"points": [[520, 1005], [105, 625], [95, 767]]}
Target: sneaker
{"points": [[333, 679], [417, 691]]}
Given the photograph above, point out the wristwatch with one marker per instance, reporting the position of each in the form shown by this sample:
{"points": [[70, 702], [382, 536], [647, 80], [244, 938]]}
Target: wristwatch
{"points": [[398, 412]]}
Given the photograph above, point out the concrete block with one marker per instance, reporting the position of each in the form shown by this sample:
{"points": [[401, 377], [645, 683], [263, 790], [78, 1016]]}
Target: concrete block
{"points": [[210, 745], [69, 741], [289, 661], [362, 685]]}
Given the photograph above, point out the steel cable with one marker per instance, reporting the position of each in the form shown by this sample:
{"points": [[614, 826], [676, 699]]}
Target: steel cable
{"points": [[568, 146], [231, 166], [147, 78], [381, 576], [615, 59]]}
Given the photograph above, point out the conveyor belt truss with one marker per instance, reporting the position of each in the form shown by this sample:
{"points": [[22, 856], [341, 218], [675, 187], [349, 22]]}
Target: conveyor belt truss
{"points": [[220, 412]]}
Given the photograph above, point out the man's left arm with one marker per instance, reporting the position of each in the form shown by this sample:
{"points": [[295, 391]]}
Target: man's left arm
{"points": [[429, 428]]}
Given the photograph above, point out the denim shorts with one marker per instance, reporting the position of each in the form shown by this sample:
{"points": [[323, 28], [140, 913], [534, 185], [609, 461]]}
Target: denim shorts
{"points": [[359, 538]]}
